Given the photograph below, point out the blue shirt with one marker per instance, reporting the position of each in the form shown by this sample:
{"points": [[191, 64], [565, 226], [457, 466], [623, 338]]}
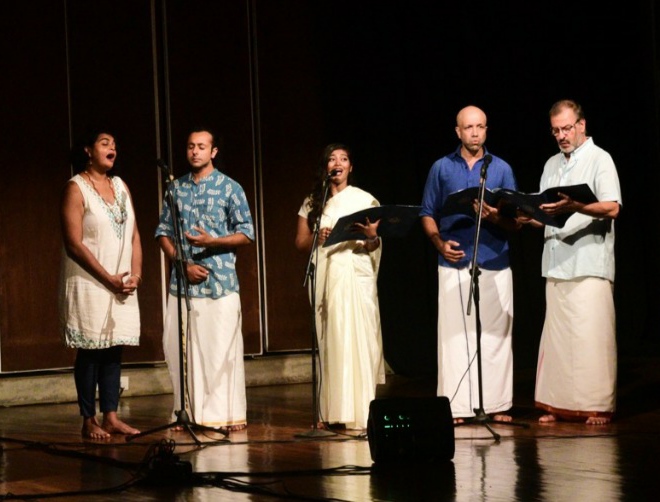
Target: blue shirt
{"points": [[450, 174], [218, 205]]}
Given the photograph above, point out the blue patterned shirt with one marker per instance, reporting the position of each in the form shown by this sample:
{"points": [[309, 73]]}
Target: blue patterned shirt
{"points": [[218, 205]]}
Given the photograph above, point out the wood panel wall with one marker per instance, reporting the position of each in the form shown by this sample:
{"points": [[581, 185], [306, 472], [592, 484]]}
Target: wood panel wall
{"points": [[112, 82], [292, 138], [150, 71], [210, 84], [34, 166]]}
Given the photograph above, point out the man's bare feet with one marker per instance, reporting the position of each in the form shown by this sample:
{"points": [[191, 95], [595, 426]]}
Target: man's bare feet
{"points": [[547, 419], [598, 420], [92, 430], [113, 425], [501, 417], [236, 428]]}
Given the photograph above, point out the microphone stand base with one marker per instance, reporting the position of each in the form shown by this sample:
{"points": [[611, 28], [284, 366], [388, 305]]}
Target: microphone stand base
{"points": [[482, 418], [315, 433]]}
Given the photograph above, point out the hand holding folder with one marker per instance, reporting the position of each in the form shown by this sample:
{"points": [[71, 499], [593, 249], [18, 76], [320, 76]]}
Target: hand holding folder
{"points": [[509, 201], [395, 221]]}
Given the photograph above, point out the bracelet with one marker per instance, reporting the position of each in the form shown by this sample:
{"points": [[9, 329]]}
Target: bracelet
{"points": [[139, 278]]}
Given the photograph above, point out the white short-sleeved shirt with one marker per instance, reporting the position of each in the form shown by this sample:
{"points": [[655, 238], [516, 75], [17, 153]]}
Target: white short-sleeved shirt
{"points": [[584, 247]]}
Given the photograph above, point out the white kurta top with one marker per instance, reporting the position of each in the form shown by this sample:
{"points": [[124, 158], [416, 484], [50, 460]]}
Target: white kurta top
{"points": [[91, 316], [347, 318]]}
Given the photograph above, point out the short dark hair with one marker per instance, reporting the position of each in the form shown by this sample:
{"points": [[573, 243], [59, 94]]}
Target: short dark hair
{"points": [[562, 104], [215, 140]]}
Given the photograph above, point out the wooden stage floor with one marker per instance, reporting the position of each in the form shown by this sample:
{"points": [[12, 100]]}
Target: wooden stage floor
{"points": [[42, 456]]}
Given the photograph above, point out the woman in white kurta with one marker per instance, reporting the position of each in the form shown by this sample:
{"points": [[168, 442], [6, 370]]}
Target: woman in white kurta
{"points": [[346, 299], [101, 267]]}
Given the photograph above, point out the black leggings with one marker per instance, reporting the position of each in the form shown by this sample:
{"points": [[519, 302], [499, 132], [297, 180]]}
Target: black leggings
{"points": [[100, 367]]}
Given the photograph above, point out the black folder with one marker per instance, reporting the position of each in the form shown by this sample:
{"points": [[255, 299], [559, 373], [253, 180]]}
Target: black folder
{"points": [[508, 201], [460, 202], [395, 221]]}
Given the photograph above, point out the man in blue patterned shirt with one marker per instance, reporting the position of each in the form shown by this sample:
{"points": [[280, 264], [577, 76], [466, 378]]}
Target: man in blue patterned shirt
{"points": [[214, 219]]}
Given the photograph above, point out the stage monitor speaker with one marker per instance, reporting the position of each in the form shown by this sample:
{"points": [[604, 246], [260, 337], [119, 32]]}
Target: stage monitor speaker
{"points": [[410, 429]]}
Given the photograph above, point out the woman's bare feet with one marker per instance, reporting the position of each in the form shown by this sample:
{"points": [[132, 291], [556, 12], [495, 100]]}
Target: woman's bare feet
{"points": [[547, 419], [598, 420], [500, 417], [458, 421], [91, 429], [113, 425]]}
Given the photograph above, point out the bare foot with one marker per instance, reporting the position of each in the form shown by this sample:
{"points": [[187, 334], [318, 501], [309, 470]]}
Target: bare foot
{"points": [[502, 418], [598, 420], [177, 428], [547, 419], [92, 430], [334, 426], [458, 421], [113, 425], [235, 428]]}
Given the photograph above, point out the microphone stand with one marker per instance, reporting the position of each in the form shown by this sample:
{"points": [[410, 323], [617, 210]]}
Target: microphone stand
{"points": [[310, 274], [481, 417], [182, 419]]}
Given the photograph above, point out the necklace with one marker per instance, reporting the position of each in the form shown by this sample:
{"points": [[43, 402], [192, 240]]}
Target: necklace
{"points": [[116, 210]]}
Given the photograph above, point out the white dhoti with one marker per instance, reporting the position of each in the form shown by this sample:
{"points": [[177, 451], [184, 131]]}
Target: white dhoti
{"points": [[457, 341], [216, 394], [577, 364]]}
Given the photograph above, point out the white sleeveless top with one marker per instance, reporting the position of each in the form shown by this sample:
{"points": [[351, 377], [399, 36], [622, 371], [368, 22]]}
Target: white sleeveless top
{"points": [[91, 316]]}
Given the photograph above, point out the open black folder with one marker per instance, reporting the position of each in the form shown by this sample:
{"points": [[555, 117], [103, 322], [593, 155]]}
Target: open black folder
{"points": [[395, 221], [509, 200]]}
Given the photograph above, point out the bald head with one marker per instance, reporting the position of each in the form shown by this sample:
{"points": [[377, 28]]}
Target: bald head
{"points": [[470, 115]]}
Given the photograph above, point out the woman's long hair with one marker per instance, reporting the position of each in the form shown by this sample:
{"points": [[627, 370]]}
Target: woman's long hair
{"points": [[316, 196]]}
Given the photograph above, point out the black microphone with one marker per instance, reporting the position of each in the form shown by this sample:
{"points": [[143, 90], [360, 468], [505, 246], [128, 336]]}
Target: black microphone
{"points": [[163, 165], [332, 174], [484, 166]]}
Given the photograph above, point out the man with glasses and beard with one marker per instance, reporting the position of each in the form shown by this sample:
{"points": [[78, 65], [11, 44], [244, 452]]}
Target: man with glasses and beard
{"points": [[577, 364]]}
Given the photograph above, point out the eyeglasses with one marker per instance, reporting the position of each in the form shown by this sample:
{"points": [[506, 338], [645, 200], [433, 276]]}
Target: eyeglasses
{"points": [[555, 131]]}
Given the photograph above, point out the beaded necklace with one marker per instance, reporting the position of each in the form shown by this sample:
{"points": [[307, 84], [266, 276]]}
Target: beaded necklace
{"points": [[116, 208]]}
